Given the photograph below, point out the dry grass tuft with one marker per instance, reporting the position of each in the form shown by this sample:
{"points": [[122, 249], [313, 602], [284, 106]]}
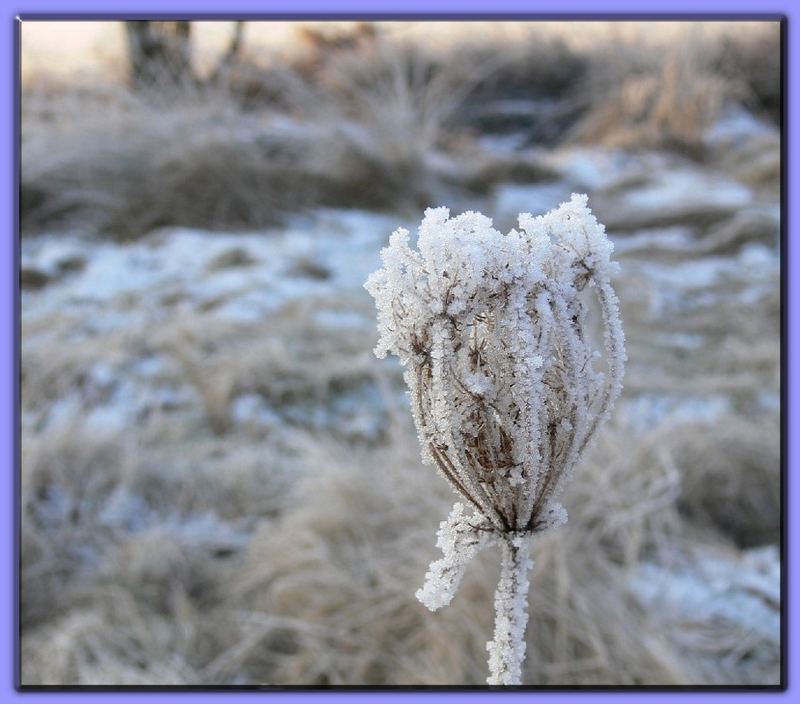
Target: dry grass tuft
{"points": [[361, 134], [337, 574], [731, 478], [323, 591], [364, 121], [754, 59], [68, 479], [338, 571], [657, 99]]}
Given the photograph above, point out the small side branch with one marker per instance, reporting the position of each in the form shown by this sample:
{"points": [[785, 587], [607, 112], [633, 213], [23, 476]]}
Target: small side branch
{"points": [[460, 537]]}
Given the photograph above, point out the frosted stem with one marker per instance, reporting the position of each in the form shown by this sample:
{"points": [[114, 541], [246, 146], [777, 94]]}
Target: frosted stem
{"points": [[507, 650]]}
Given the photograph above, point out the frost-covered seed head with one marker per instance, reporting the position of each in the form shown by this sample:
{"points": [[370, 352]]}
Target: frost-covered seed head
{"points": [[502, 376], [502, 373]]}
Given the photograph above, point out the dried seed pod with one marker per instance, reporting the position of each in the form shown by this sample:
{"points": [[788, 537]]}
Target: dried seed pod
{"points": [[506, 386]]}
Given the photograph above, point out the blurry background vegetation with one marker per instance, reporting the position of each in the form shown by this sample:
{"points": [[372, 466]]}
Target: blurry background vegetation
{"points": [[220, 484]]}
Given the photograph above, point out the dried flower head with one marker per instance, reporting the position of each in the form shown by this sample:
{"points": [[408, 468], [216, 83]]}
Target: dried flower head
{"points": [[506, 386]]}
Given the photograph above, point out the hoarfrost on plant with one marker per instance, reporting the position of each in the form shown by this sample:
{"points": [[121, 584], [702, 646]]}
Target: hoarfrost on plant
{"points": [[500, 366]]}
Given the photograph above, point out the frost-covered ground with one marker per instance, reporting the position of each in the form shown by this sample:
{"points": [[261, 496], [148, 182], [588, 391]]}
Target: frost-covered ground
{"points": [[220, 484]]}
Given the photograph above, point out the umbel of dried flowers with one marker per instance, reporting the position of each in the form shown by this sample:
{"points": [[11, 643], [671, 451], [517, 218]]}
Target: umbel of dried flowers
{"points": [[506, 386]]}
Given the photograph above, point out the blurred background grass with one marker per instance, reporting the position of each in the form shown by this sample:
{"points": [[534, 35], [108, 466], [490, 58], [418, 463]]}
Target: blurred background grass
{"points": [[220, 484]]}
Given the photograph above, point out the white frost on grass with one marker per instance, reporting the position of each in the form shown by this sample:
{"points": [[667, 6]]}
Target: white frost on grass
{"points": [[735, 126], [252, 409], [598, 168], [677, 287], [690, 189], [645, 411], [125, 284], [676, 238], [742, 592]]}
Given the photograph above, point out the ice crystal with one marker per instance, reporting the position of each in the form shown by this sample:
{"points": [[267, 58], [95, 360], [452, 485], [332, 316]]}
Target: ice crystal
{"points": [[501, 373]]}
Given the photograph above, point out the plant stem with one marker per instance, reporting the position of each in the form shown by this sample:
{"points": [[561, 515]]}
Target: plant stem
{"points": [[507, 650]]}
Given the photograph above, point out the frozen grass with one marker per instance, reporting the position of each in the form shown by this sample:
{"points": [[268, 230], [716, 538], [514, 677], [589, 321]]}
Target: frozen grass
{"points": [[214, 500], [199, 162], [219, 482], [372, 122], [237, 525], [323, 593], [362, 129]]}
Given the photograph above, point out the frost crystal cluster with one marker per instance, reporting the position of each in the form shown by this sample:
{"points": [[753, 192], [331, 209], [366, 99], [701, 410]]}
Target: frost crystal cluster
{"points": [[506, 386]]}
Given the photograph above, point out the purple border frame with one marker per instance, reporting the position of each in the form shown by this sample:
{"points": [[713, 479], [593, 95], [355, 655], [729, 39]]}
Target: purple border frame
{"points": [[563, 9]]}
